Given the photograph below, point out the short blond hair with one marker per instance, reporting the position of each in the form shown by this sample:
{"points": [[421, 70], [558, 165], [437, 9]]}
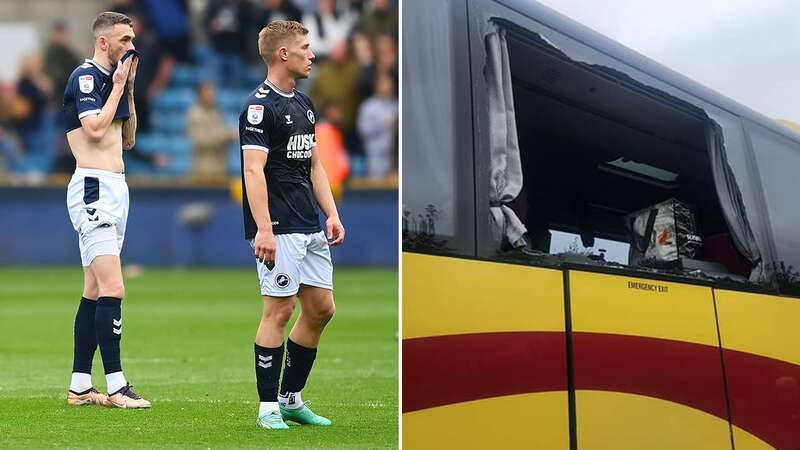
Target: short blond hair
{"points": [[276, 33]]}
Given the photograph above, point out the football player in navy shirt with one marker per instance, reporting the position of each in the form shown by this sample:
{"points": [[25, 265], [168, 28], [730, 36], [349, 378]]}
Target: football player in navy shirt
{"points": [[100, 121], [285, 187]]}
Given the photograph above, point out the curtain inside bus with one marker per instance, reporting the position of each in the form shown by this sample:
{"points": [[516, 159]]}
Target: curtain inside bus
{"points": [[730, 198], [506, 167]]}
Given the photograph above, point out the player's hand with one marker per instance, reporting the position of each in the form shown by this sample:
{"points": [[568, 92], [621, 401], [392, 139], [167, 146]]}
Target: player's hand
{"points": [[265, 247], [122, 72], [334, 231], [134, 66]]}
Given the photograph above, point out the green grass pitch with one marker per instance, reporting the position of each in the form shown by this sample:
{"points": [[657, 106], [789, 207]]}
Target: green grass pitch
{"points": [[188, 347]]}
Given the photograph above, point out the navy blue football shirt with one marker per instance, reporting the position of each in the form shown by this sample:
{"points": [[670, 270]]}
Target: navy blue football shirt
{"points": [[282, 125], [86, 92]]}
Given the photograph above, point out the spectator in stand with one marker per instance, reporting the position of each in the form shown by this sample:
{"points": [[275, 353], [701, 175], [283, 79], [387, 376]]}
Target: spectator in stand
{"points": [[154, 72], [380, 18], [209, 134], [386, 54], [330, 148], [306, 6], [59, 61], [170, 21], [34, 89], [362, 50], [377, 124], [227, 24], [270, 10], [357, 6], [126, 7], [336, 83], [10, 155], [327, 27], [381, 60]]}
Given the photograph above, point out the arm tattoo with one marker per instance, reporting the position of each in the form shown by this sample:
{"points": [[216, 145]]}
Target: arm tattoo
{"points": [[129, 126]]}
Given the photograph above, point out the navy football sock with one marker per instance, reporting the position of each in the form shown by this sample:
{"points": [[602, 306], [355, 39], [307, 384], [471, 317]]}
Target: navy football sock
{"points": [[108, 328], [268, 370], [299, 361], [84, 336]]}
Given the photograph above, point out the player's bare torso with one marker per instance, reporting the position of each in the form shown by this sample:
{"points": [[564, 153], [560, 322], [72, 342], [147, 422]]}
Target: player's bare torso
{"points": [[104, 155]]}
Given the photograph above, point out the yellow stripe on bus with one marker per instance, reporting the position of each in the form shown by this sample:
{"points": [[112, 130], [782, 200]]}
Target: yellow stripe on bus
{"points": [[443, 296], [765, 325], [617, 304], [613, 420], [527, 421]]}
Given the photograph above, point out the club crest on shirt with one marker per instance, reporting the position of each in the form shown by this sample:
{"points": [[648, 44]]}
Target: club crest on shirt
{"points": [[86, 83], [255, 114], [310, 116]]}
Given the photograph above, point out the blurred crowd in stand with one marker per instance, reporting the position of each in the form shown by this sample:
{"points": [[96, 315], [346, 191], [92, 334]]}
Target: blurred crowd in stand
{"points": [[199, 62]]}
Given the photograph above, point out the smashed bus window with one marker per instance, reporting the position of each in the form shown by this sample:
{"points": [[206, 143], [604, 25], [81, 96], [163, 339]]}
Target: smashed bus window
{"points": [[597, 154]]}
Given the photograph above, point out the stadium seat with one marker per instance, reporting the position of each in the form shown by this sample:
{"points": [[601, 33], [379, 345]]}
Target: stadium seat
{"points": [[35, 163], [179, 165], [358, 166], [169, 123], [201, 55], [234, 164], [232, 99], [254, 78], [174, 99], [151, 143], [255, 75], [179, 146], [232, 118], [135, 167], [184, 76]]}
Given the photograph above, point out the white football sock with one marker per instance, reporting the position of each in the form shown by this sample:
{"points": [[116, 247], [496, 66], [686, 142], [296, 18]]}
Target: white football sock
{"points": [[115, 381], [81, 382], [291, 400], [265, 408]]}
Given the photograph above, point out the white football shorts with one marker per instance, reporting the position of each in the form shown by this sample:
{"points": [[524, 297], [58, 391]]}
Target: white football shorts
{"points": [[299, 259], [97, 201]]}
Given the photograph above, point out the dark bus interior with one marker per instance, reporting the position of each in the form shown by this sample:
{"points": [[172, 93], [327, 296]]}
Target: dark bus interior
{"points": [[597, 145]]}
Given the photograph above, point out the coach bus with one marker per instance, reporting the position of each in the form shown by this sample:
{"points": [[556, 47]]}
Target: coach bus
{"points": [[530, 318]]}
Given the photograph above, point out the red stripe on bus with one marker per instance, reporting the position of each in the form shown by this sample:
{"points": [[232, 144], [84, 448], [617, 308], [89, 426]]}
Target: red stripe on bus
{"points": [[765, 397], [443, 370], [678, 371], [764, 392]]}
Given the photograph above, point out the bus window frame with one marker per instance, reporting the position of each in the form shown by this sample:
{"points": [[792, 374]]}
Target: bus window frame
{"points": [[751, 127], [480, 13], [462, 243]]}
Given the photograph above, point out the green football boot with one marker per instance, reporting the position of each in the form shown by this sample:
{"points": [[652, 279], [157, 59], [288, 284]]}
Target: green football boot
{"points": [[272, 421], [304, 416]]}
